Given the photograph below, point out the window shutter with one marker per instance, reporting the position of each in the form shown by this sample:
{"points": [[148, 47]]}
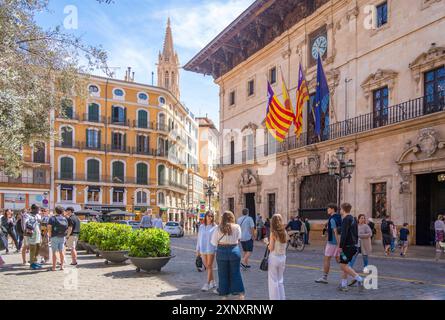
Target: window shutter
{"points": [[87, 138], [125, 115], [125, 141], [98, 139]]}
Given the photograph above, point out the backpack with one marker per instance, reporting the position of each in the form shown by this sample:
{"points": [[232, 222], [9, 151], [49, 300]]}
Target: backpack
{"points": [[30, 226], [60, 227], [385, 227]]}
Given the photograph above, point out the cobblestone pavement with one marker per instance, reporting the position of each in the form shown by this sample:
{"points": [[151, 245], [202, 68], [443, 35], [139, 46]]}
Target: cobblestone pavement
{"points": [[92, 279]]}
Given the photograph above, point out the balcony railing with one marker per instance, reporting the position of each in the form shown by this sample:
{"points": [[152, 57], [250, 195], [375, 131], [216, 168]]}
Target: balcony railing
{"points": [[119, 122], [74, 116], [93, 118], [95, 178], [23, 180], [73, 145], [405, 111], [86, 146], [118, 149]]}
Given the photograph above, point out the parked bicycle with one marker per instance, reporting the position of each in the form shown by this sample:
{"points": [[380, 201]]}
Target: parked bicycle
{"points": [[296, 241]]}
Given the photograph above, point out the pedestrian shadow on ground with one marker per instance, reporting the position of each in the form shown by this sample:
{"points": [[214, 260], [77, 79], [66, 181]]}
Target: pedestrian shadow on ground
{"points": [[28, 272], [131, 273], [189, 294], [100, 264]]}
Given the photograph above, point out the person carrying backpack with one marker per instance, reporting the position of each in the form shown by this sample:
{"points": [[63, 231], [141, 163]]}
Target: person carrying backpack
{"points": [[386, 235], [57, 230], [33, 236], [332, 249]]}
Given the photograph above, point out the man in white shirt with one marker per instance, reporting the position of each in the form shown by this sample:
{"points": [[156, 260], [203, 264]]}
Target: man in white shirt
{"points": [[157, 223], [146, 221]]}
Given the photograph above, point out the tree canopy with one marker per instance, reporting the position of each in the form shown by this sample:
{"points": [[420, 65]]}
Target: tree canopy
{"points": [[38, 70]]}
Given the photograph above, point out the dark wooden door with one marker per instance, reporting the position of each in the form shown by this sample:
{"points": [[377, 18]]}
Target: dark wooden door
{"points": [[250, 204]]}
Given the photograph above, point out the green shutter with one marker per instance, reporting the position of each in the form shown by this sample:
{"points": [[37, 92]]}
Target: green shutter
{"points": [[66, 168], [142, 172]]}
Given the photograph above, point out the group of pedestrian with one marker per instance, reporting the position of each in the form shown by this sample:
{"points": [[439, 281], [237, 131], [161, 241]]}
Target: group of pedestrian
{"points": [[231, 244], [390, 234], [39, 233], [343, 244], [148, 222]]}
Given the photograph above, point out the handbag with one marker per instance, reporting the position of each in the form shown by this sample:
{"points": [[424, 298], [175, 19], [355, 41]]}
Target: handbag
{"points": [[199, 264], [264, 266]]}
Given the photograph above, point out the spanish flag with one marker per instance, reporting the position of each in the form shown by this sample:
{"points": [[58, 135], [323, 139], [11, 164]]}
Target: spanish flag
{"points": [[278, 118], [302, 98]]}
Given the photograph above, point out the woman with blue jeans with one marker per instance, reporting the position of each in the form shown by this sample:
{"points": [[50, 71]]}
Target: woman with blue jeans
{"points": [[228, 256]]}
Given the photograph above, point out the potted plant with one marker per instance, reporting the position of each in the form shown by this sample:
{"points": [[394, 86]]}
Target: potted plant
{"points": [[91, 236], [113, 242], [149, 249]]}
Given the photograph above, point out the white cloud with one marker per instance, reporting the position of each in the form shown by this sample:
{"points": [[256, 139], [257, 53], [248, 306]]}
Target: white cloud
{"points": [[125, 47], [195, 26]]}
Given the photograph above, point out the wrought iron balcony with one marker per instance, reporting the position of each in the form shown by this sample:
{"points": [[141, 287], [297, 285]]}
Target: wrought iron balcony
{"points": [[405, 111], [73, 116], [63, 144], [119, 122], [118, 149], [37, 180], [93, 118]]}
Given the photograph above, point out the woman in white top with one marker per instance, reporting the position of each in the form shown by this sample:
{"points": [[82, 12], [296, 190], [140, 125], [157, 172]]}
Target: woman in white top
{"points": [[277, 258], [228, 256], [206, 250]]}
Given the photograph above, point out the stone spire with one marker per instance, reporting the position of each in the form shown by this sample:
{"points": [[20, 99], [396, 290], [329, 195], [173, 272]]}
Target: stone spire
{"points": [[168, 65]]}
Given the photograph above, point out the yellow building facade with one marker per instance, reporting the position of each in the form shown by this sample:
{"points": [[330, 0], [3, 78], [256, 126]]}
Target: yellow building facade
{"points": [[118, 149]]}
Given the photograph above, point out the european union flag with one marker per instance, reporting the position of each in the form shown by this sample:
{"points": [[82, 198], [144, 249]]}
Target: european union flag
{"points": [[321, 98]]}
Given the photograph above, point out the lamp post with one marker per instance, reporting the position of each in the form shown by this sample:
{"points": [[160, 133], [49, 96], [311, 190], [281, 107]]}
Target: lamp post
{"points": [[209, 188], [341, 169]]}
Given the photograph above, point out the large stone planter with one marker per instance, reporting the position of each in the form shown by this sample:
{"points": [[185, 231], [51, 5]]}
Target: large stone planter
{"points": [[81, 245], [150, 264], [114, 256], [92, 249]]}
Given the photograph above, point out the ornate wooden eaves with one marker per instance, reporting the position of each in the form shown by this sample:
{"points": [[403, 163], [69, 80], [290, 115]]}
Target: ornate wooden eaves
{"points": [[254, 29]]}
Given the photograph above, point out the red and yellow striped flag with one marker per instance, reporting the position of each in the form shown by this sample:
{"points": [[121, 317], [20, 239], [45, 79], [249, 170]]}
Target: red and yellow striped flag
{"points": [[302, 98], [278, 118]]}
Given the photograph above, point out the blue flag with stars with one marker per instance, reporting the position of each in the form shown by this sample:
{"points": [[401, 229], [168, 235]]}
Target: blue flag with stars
{"points": [[321, 99]]}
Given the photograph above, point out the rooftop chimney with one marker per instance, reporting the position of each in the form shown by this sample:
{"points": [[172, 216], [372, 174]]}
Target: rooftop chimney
{"points": [[129, 76]]}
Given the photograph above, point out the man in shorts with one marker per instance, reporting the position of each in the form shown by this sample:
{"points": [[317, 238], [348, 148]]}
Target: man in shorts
{"points": [[57, 230], [348, 247], [73, 234], [247, 236], [332, 250]]}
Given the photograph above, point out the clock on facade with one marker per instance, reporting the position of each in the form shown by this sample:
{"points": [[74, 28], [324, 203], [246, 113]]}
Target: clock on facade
{"points": [[319, 47]]}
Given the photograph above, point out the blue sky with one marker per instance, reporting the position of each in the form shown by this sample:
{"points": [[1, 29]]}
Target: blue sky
{"points": [[132, 32]]}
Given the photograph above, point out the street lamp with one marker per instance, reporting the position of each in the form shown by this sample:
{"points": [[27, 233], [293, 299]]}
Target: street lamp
{"points": [[341, 169], [209, 188]]}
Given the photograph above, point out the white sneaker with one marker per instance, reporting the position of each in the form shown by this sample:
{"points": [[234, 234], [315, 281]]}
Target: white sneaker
{"points": [[205, 287], [212, 285]]}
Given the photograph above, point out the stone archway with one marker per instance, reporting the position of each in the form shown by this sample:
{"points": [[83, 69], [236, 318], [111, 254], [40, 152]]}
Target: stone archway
{"points": [[249, 183], [423, 157]]}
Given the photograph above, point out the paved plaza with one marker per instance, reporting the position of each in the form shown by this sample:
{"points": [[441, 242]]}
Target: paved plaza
{"points": [[92, 279]]}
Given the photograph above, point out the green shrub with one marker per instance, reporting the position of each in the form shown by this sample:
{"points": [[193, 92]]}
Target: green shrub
{"points": [[88, 232], [149, 243], [113, 237]]}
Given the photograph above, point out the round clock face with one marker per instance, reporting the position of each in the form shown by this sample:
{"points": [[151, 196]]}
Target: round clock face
{"points": [[319, 47]]}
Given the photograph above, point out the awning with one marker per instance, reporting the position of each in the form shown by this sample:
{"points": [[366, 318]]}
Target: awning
{"points": [[119, 189], [94, 189], [67, 187]]}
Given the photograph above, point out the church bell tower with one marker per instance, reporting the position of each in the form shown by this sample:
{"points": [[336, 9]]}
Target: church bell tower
{"points": [[168, 65]]}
